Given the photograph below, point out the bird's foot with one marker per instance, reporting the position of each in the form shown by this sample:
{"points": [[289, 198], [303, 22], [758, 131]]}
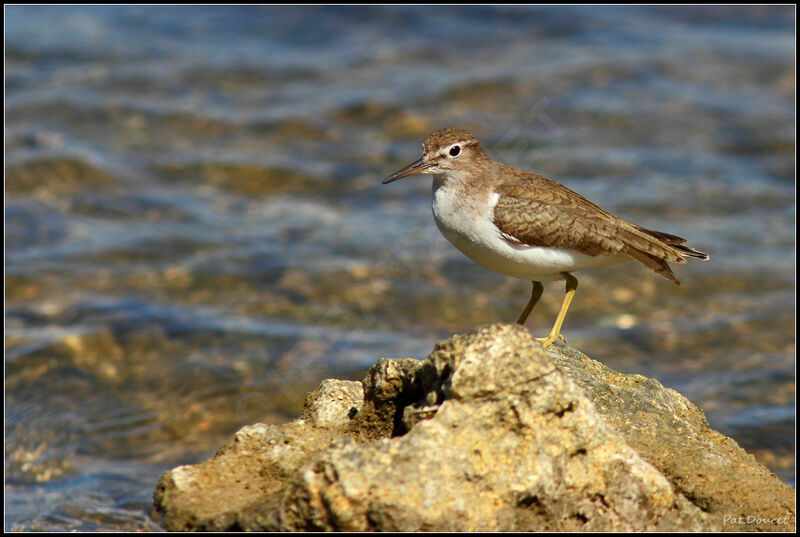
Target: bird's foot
{"points": [[546, 341], [550, 339]]}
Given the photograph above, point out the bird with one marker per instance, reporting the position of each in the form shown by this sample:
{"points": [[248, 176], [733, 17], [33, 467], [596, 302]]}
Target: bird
{"points": [[521, 224]]}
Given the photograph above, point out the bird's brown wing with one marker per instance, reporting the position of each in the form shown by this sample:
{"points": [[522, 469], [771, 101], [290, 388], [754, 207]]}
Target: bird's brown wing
{"points": [[536, 211]]}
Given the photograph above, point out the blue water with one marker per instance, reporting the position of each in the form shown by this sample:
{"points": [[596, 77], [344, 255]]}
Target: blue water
{"points": [[196, 233]]}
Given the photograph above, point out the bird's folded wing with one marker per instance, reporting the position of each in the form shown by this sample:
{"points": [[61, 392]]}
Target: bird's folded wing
{"points": [[541, 212]]}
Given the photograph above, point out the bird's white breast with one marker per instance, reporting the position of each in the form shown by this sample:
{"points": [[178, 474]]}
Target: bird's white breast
{"points": [[466, 220]]}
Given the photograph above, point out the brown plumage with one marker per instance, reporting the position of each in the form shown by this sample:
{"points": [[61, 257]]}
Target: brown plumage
{"points": [[524, 225], [536, 211]]}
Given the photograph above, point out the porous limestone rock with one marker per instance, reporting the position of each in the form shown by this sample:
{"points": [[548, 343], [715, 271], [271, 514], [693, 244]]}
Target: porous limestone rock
{"points": [[490, 432]]}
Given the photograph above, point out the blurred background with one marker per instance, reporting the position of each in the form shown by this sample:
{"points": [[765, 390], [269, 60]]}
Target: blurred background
{"points": [[197, 234]]}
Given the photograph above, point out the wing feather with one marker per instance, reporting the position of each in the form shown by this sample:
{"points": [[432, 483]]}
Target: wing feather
{"points": [[536, 211]]}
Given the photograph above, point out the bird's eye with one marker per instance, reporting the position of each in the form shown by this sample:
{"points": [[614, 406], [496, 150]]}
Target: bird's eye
{"points": [[455, 150]]}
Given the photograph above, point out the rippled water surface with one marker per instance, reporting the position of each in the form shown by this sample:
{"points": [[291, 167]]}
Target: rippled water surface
{"points": [[196, 233]]}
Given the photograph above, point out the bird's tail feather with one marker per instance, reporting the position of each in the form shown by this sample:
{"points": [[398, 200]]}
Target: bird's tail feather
{"points": [[654, 263], [677, 243]]}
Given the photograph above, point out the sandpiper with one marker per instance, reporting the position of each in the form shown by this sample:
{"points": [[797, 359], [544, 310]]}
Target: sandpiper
{"points": [[524, 225]]}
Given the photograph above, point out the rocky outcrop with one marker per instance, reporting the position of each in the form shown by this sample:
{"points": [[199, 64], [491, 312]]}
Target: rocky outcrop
{"points": [[490, 432]]}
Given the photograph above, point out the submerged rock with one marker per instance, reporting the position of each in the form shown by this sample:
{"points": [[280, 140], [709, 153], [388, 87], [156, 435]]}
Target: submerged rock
{"points": [[492, 433]]}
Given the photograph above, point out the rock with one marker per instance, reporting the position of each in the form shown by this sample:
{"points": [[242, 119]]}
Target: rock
{"points": [[672, 434], [489, 433], [334, 403]]}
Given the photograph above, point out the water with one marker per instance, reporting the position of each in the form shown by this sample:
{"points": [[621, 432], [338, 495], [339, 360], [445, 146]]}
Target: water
{"points": [[196, 233]]}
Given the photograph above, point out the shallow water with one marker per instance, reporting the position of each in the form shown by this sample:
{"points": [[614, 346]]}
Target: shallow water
{"points": [[196, 232]]}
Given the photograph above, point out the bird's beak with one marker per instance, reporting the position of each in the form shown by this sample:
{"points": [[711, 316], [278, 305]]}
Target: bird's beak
{"points": [[412, 169]]}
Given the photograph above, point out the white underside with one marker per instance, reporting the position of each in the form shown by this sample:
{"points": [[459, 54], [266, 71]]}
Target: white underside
{"points": [[472, 231]]}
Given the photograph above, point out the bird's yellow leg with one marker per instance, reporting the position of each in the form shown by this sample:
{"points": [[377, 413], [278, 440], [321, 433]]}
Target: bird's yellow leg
{"points": [[555, 333], [536, 294]]}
